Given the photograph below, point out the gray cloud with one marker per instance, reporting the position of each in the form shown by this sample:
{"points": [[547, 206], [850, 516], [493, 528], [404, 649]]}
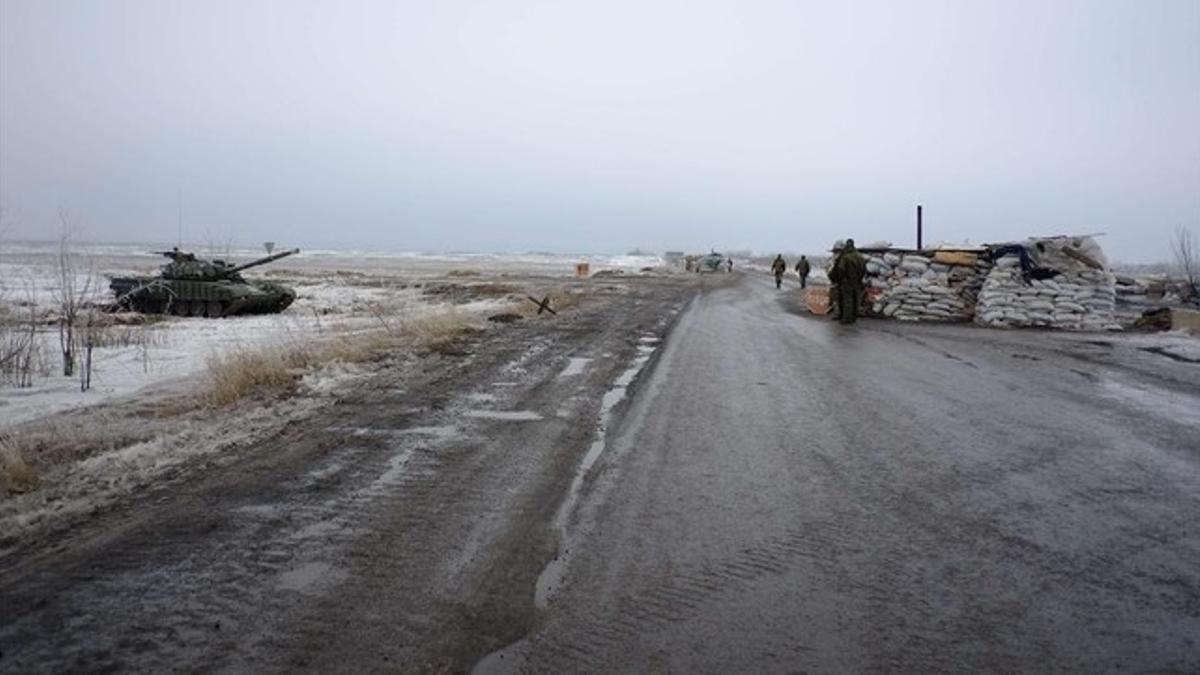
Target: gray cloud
{"points": [[601, 126]]}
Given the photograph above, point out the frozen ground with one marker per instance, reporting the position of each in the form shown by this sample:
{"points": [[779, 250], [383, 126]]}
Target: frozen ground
{"points": [[336, 291], [685, 473]]}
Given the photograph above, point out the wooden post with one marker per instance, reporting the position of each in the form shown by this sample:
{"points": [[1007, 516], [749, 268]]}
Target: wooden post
{"points": [[919, 233]]}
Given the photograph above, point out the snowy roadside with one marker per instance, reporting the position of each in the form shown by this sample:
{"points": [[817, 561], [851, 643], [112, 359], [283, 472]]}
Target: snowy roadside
{"points": [[88, 457], [150, 416], [336, 293], [77, 489], [182, 348]]}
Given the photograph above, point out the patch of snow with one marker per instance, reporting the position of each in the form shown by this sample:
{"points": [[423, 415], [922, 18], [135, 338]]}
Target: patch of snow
{"points": [[1177, 342], [505, 415], [76, 489], [575, 366], [440, 432]]}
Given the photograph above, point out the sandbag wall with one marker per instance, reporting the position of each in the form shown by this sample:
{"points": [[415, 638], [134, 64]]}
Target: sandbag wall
{"points": [[1076, 293], [925, 285]]}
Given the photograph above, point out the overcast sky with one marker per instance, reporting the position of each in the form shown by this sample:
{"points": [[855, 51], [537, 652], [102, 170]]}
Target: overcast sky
{"points": [[601, 126]]}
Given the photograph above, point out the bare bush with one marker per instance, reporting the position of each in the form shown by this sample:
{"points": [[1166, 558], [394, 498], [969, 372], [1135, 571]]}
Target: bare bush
{"points": [[72, 295], [16, 476], [1187, 259], [21, 355]]}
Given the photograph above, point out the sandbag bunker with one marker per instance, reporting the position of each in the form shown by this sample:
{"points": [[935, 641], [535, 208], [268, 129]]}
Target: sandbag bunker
{"points": [[1050, 282]]}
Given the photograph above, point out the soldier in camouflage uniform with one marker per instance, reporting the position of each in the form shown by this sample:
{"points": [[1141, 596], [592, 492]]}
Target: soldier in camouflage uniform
{"points": [[802, 270], [848, 273], [778, 267]]}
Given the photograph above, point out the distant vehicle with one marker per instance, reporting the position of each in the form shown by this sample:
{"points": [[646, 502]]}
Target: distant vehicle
{"points": [[191, 286], [713, 262]]}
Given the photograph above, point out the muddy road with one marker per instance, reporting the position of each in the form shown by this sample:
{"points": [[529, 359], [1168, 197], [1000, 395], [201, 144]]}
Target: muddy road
{"points": [[758, 491]]}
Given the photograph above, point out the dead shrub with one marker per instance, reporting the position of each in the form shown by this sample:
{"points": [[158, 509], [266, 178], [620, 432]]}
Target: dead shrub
{"points": [[16, 476]]}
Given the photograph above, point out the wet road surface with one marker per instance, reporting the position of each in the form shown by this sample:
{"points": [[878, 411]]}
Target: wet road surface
{"points": [[788, 494], [761, 491]]}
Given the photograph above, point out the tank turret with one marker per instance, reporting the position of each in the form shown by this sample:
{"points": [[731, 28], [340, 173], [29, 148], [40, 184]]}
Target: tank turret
{"points": [[191, 286]]}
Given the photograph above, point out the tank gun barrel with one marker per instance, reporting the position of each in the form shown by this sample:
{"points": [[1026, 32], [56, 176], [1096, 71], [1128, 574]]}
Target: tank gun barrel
{"points": [[261, 261]]}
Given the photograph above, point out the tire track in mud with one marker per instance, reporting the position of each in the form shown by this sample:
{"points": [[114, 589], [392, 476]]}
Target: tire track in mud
{"points": [[640, 615], [477, 526]]}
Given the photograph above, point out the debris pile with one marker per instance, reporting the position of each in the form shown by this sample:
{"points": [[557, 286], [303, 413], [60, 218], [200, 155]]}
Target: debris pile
{"points": [[1154, 320], [1135, 297], [924, 285], [1057, 282]]}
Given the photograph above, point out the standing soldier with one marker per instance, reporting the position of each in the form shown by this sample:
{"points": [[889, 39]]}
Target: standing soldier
{"points": [[848, 272], [778, 267], [802, 270], [833, 282]]}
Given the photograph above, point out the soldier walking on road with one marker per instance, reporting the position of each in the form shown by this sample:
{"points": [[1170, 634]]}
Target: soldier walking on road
{"points": [[848, 273], [778, 267], [802, 270]]}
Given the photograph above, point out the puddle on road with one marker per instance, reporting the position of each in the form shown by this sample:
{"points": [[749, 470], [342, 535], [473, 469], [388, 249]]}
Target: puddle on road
{"points": [[321, 529], [442, 432], [481, 397], [505, 415], [260, 510], [310, 577], [507, 659], [575, 366], [321, 473], [551, 577]]}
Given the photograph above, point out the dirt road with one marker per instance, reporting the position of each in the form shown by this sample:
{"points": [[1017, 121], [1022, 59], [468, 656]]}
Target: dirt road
{"points": [[762, 491]]}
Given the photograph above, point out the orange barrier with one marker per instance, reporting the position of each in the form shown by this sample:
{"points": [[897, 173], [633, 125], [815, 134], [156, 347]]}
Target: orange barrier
{"points": [[817, 300]]}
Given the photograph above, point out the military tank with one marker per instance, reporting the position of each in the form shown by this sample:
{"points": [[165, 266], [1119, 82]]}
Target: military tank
{"points": [[191, 286]]}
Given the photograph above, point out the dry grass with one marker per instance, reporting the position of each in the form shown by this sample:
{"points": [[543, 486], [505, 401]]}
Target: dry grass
{"points": [[16, 476], [438, 326], [237, 373], [277, 369], [71, 436]]}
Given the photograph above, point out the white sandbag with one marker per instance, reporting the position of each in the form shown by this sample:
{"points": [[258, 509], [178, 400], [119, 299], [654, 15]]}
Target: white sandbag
{"points": [[1040, 306]]}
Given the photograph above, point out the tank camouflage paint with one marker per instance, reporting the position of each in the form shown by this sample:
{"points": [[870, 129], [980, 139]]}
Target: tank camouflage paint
{"points": [[191, 286]]}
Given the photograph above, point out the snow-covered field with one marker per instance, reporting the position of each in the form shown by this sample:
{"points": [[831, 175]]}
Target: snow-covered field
{"points": [[336, 291]]}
